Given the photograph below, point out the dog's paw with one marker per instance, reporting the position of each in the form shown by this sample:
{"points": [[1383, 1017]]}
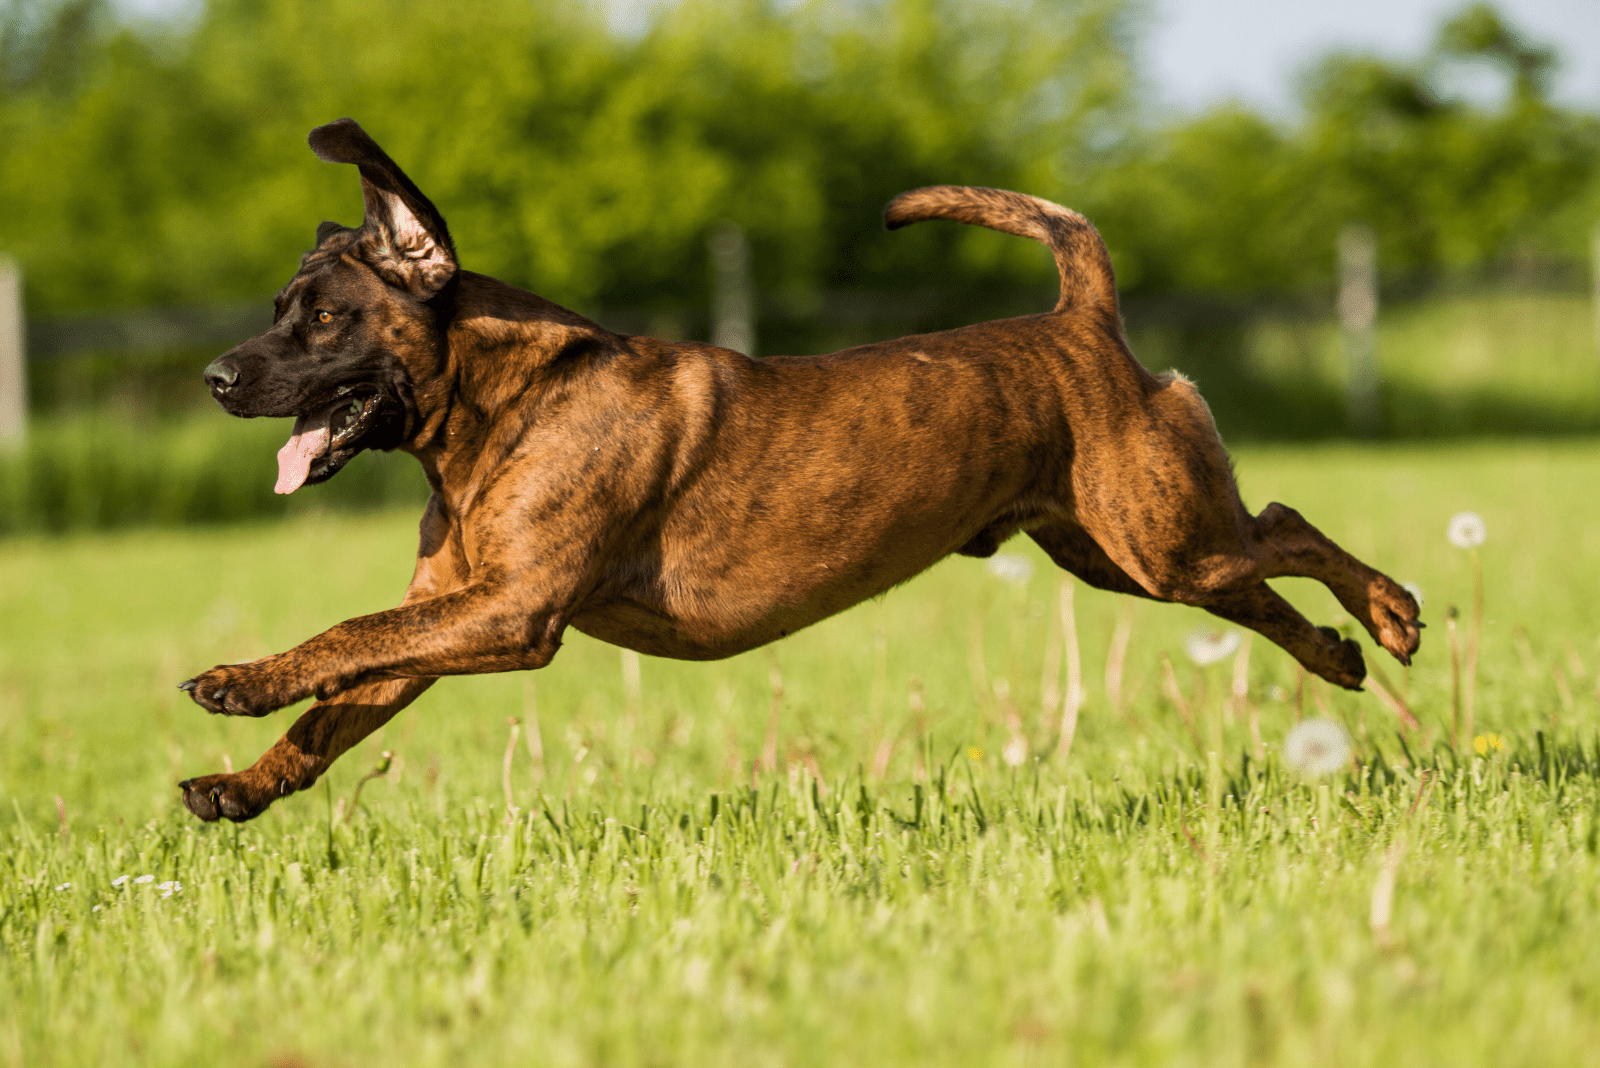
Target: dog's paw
{"points": [[1394, 623], [234, 797], [236, 690], [1342, 663]]}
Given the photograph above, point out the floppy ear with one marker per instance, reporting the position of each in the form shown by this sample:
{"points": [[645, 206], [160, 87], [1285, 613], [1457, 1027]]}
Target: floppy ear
{"points": [[404, 236]]}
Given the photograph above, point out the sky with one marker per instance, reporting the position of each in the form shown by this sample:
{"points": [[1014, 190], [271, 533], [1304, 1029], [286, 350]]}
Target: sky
{"points": [[1202, 52]]}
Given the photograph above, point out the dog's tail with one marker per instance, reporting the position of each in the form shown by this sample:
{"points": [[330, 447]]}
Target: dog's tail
{"points": [[1086, 278]]}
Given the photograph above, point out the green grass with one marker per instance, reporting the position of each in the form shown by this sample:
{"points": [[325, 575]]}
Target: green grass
{"points": [[657, 900]]}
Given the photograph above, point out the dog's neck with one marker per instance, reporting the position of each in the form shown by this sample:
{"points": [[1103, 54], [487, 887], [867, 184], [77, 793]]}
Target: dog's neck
{"points": [[500, 342]]}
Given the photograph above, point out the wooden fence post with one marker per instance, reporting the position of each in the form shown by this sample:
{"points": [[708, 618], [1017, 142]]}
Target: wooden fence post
{"points": [[13, 371], [1594, 270], [732, 300], [1358, 316]]}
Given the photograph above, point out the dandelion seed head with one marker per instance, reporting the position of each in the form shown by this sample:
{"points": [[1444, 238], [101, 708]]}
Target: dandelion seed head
{"points": [[1316, 746], [1206, 647], [1415, 591], [1015, 751], [1011, 568], [1466, 530], [695, 974]]}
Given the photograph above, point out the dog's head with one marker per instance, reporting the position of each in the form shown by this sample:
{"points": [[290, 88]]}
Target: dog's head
{"points": [[356, 330]]}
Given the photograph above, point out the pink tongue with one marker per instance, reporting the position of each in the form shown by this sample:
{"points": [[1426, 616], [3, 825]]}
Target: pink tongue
{"points": [[308, 442]]}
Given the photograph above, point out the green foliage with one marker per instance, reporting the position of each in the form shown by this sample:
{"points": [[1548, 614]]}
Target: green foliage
{"points": [[151, 167], [1137, 903], [582, 162], [98, 471], [1231, 201]]}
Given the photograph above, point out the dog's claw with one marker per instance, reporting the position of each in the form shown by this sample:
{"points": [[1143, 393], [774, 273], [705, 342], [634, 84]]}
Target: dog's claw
{"points": [[188, 687], [214, 797]]}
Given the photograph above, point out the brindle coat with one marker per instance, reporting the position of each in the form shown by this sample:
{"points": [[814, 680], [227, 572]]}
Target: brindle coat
{"points": [[687, 501]]}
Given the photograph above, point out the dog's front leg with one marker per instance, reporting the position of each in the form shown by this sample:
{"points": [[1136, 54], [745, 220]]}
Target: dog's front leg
{"points": [[325, 731], [481, 628], [330, 727]]}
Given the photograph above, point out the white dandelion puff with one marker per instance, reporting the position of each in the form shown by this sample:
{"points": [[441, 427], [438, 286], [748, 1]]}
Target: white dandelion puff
{"points": [[1317, 747], [1015, 751], [1009, 567], [1466, 530], [1415, 591], [1206, 647], [119, 880], [141, 880]]}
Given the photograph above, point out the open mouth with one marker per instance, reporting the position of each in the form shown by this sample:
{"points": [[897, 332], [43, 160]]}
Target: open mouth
{"points": [[323, 442]]}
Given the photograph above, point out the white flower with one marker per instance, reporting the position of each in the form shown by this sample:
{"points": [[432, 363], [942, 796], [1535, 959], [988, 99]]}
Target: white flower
{"points": [[171, 886], [1415, 591], [141, 880], [1317, 747], [119, 880], [1466, 530], [1009, 567], [95, 909], [1015, 751], [1211, 646], [64, 886]]}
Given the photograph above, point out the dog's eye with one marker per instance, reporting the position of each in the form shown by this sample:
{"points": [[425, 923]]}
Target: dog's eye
{"points": [[324, 316]]}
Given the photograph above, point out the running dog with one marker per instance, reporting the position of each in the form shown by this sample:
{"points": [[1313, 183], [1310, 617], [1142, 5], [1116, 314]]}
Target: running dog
{"points": [[687, 501]]}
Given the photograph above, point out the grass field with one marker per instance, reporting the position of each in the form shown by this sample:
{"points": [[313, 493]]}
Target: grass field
{"points": [[886, 877]]}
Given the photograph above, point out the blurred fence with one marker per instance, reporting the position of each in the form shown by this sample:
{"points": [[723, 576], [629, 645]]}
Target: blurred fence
{"points": [[124, 433]]}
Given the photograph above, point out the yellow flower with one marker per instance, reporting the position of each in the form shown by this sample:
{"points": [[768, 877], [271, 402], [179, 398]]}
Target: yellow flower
{"points": [[1485, 742], [974, 753]]}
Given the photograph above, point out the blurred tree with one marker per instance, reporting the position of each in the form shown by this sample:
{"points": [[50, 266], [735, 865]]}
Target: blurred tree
{"points": [[585, 163], [1231, 201], [164, 166]]}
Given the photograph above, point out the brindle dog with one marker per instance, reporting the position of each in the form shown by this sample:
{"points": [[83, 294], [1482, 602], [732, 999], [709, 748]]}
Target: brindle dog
{"points": [[687, 501]]}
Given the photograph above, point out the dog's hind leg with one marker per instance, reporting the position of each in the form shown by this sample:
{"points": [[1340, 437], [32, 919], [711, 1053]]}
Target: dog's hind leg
{"points": [[319, 737], [1072, 549], [1256, 606], [1288, 545], [1320, 649]]}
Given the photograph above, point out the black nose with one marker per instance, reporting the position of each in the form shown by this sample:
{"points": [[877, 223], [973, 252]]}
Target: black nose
{"points": [[221, 375]]}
